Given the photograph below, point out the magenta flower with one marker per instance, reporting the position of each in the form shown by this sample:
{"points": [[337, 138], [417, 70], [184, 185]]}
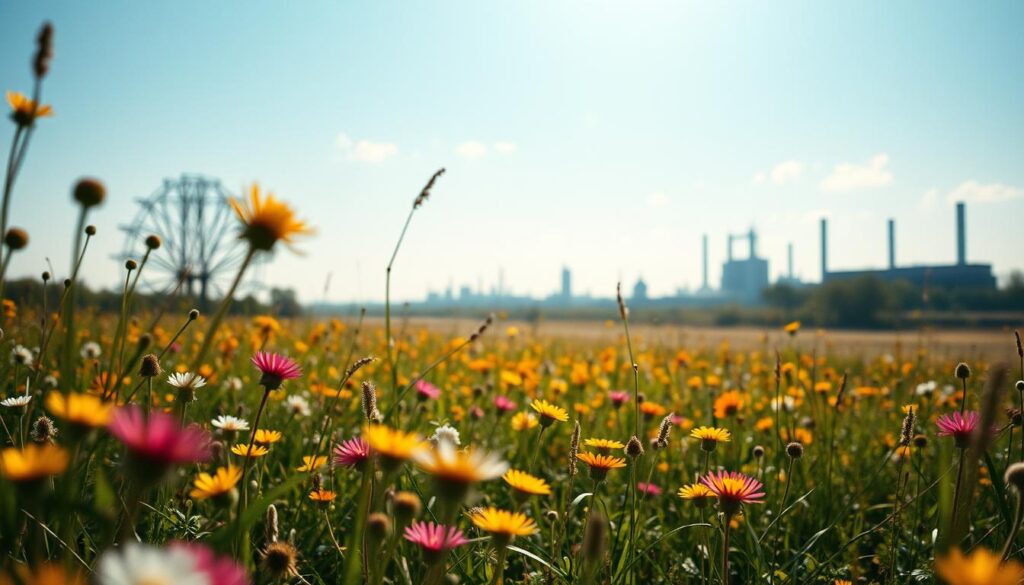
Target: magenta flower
{"points": [[434, 539], [157, 439], [959, 426], [618, 397], [220, 570], [503, 404], [427, 391], [351, 453], [648, 488], [276, 369], [733, 489]]}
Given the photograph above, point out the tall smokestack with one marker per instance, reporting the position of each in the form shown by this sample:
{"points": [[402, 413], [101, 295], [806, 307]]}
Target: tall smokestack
{"points": [[892, 244], [753, 244], [729, 254], [824, 248], [705, 242], [961, 234], [789, 254]]}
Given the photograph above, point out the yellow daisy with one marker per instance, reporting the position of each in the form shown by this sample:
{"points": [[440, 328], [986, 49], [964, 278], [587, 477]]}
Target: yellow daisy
{"points": [[242, 450], [526, 484], [83, 410], [309, 463], [267, 220], [394, 447], [222, 482], [503, 525], [33, 462], [600, 465], [710, 437], [549, 413]]}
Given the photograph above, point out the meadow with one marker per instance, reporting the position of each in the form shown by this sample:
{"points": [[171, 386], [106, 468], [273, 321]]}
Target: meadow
{"points": [[173, 447]]}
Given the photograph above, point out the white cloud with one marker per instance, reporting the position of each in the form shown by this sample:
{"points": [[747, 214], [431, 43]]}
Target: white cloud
{"points": [[505, 147], [657, 199], [975, 192], [471, 149], [365, 150], [853, 176], [787, 172]]}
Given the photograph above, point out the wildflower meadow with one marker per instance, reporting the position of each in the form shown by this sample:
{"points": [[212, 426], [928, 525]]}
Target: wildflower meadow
{"points": [[171, 446]]}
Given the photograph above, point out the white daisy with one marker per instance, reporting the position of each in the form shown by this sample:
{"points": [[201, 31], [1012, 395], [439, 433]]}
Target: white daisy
{"points": [[234, 384], [230, 423], [90, 350], [186, 380], [21, 355], [446, 433], [16, 401], [141, 564], [297, 405]]}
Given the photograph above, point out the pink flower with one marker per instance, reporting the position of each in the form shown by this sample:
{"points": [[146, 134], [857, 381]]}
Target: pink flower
{"points": [[733, 489], [427, 391], [503, 404], [158, 439], [221, 570], [276, 369], [648, 488], [618, 397], [959, 426], [434, 539], [351, 453]]}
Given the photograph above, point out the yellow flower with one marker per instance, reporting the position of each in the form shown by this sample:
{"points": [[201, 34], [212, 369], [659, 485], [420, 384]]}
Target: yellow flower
{"points": [[697, 493], [600, 464], [710, 437], [524, 421], [549, 413], [980, 567], [502, 524], [455, 469], [322, 496], [393, 446], [24, 111], [728, 404], [83, 410], [242, 450], [33, 462], [48, 574], [604, 446], [267, 220], [309, 463], [218, 484], [267, 437], [792, 327], [525, 483]]}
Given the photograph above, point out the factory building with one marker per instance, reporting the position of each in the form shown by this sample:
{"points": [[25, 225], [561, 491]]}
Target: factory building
{"points": [[744, 279], [949, 276]]}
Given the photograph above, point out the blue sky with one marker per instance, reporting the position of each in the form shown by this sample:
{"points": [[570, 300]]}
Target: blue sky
{"points": [[607, 136]]}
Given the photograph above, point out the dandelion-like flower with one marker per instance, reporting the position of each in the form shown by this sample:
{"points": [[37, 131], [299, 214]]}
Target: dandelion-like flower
{"points": [[157, 440], [267, 436], [275, 368], [728, 404], [393, 446], [980, 567], [456, 470], [524, 421], [526, 484], [322, 496], [502, 525], [959, 426], [351, 453], [33, 462], [310, 462], [25, 111], [434, 539], [549, 413], [710, 437], [244, 450], [182, 380], [267, 220], [733, 489], [217, 485], [604, 446], [82, 410], [697, 493], [600, 465]]}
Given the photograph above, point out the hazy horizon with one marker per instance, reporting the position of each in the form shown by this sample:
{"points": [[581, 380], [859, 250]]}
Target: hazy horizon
{"points": [[607, 137]]}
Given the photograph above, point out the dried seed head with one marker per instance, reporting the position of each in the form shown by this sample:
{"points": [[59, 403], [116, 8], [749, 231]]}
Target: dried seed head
{"points": [[150, 367], [279, 560], [425, 193], [318, 482], [130, 264], [634, 448], [153, 242], [623, 310], [757, 451], [358, 365], [16, 238], [370, 402], [46, 275], [1019, 385], [89, 193], [574, 448], [963, 371], [145, 340], [907, 430], [407, 506], [43, 430], [842, 390], [1020, 344], [378, 526], [44, 51], [273, 531], [795, 450], [920, 441], [663, 432], [778, 367], [90, 230]]}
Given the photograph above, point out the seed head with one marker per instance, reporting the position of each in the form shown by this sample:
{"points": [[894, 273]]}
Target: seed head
{"points": [[663, 432], [407, 506], [795, 450], [90, 230], [16, 238], [89, 192], [378, 526], [150, 367], [1020, 344], [43, 430], [44, 51], [574, 448], [130, 264], [1019, 385], [279, 560], [963, 371], [153, 242], [634, 448], [272, 530], [1015, 477], [907, 430], [757, 451], [370, 402], [422, 197]]}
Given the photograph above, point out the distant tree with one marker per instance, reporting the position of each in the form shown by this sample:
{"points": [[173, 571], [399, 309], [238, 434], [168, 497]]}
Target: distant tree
{"points": [[284, 302]]}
